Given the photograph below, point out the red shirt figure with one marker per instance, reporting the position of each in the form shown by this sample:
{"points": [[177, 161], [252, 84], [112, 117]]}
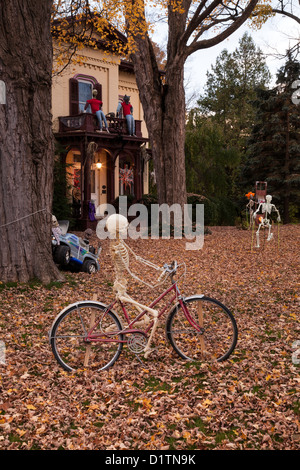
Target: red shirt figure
{"points": [[96, 109], [95, 105], [127, 108], [128, 114]]}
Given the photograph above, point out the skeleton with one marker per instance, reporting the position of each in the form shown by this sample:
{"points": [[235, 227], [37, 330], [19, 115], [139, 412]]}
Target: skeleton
{"points": [[56, 230], [266, 208], [249, 207], [117, 226]]}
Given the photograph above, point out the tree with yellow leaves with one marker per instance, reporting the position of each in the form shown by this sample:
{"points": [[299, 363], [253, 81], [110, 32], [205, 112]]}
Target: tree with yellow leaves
{"points": [[26, 152]]}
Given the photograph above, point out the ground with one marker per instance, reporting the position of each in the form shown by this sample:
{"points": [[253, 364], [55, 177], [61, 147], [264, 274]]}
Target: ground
{"points": [[248, 402]]}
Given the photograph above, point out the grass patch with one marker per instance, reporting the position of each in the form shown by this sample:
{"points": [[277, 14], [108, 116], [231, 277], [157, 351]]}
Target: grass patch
{"points": [[7, 285], [172, 442], [153, 384], [197, 423], [221, 436], [296, 407], [98, 424], [134, 405], [55, 284]]}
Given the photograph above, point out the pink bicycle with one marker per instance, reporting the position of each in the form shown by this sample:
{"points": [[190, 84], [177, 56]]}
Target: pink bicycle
{"points": [[89, 334]]}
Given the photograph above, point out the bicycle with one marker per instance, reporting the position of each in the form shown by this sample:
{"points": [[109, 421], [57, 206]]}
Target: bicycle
{"points": [[90, 334]]}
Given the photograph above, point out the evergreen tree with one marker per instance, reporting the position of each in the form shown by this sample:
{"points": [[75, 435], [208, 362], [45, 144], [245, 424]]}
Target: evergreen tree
{"points": [[274, 146], [215, 143], [230, 89], [61, 205], [209, 163], [220, 90], [207, 158]]}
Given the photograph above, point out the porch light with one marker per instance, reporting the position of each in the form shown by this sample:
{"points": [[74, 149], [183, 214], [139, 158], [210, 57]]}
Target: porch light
{"points": [[98, 165]]}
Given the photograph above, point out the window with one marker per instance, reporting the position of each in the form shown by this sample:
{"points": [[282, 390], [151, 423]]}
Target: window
{"points": [[121, 97], [81, 87], [84, 93]]}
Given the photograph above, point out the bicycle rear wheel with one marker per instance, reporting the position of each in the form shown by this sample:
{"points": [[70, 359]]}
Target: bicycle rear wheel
{"points": [[217, 338], [68, 337]]}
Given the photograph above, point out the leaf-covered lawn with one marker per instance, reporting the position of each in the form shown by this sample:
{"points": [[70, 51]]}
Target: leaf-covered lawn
{"points": [[249, 402]]}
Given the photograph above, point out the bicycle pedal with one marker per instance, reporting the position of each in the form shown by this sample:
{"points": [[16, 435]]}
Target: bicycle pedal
{"points": [[139, 359]]}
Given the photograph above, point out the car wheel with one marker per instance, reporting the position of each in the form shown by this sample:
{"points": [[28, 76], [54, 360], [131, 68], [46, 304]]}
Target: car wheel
{"points": [[89, 267], [62, 255]]}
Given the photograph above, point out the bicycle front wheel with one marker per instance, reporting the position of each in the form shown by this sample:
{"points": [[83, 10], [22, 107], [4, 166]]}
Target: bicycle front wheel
{"points": [[69, 340], [218, 335]]}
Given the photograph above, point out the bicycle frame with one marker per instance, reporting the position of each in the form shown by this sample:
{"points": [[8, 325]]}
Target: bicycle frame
{"points": [[129, 329]]}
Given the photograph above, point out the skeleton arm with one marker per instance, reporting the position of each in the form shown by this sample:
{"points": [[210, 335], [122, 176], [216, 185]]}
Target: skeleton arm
{"points": [[250, 205], [276, 210], [141, 260], [257, 210]]}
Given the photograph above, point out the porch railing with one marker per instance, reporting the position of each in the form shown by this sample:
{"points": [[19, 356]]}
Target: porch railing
{"points": [[88, 122]]}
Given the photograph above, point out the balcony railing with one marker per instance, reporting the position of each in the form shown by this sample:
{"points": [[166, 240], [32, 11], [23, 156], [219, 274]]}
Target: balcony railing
{"points": [[88, 122]]}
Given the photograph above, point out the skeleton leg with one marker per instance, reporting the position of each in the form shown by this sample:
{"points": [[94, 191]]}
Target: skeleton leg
{"points": [[270, 235], [147, 349], [251, 218], [257, 235], [141, 307]]}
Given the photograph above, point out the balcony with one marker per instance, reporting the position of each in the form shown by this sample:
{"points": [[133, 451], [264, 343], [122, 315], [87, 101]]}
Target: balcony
{"points": [[87, 122]]}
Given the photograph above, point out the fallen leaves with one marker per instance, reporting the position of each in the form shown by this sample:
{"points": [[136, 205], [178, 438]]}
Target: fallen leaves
{"points": [[248, 402]]}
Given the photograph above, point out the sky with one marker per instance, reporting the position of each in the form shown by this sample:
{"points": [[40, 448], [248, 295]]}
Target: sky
{"points": [[274, 37]]}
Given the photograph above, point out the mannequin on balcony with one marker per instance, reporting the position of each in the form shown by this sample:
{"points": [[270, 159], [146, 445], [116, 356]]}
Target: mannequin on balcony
{"points": [[96, 109], [127, 113]]}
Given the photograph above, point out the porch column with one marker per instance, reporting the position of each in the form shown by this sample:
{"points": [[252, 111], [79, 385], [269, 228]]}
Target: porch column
{"points": [[138, 184], [86, 186]]}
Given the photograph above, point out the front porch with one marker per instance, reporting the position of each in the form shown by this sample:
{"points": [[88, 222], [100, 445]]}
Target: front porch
{"points": [[98, 171], [88, 122]]}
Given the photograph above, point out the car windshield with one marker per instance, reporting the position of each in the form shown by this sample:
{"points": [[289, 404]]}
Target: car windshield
{"points": [[64, 225]]}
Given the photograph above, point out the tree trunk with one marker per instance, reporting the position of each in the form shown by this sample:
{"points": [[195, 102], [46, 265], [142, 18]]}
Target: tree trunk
{"points": [[26, 142], [168, 146], [287, 189], [163, 102]]}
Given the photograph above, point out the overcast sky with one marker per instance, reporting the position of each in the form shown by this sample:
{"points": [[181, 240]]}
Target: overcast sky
{"points": [[275, 37]]}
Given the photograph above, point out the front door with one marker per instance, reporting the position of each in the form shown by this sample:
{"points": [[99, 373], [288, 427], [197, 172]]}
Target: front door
{"points": [[99, 181]]}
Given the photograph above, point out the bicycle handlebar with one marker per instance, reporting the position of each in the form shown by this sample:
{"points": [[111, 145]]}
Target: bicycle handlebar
{"points": [[171, 268]]}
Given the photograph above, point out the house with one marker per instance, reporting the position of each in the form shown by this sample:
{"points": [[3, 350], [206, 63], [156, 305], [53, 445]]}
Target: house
{"points": [[101, 166]]}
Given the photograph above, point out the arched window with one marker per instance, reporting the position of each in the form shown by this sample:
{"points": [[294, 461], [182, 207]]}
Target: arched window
{"points": [[81, 87]]}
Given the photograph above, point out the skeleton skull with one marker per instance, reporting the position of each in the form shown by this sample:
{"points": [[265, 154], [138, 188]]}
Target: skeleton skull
{"points": [[117, 224]]}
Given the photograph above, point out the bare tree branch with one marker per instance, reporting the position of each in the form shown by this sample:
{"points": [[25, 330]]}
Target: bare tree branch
{"points": [[237, 21], [286, 13]]}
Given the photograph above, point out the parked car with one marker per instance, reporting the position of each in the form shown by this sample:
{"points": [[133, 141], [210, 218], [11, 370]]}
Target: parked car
{"points": [[74, 251]]}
